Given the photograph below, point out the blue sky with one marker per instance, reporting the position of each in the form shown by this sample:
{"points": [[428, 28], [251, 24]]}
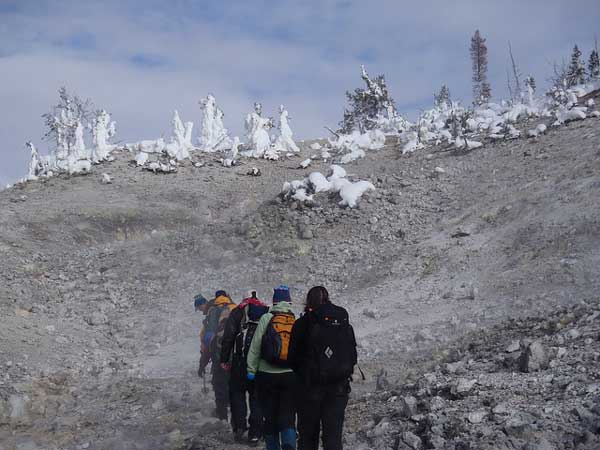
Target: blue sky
{"points": [[141, 59]]}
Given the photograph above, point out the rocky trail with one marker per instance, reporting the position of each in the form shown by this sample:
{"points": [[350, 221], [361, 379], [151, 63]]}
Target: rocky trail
{"points": [[457, 265]]}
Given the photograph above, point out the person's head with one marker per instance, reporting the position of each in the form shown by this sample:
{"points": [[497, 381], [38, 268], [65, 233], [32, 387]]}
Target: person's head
{"points": [[281, 294], [220, 293], [200, 303], [316, 297]]}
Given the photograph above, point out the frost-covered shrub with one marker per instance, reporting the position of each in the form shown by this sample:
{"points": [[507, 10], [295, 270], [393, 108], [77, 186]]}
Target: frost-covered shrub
{"points": [[352, 146], [303, 191]]}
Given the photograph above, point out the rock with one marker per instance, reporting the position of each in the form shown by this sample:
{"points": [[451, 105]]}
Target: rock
{"points": [[513, 346], [517, 427], [573, 333], [533, 358], [542, 444], [371, 313], [463, 386], [423, 335], [408, 406], [457, 367], [436, 403], [501, 409], [412, 440], [19, 409], [477, 416], [96, 318], [306, 233]]}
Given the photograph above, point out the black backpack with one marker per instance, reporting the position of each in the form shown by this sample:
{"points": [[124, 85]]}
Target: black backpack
{"points": [[332, 346]]}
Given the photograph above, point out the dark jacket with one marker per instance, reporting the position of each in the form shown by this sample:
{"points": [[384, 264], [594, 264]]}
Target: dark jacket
{"points": [[233, 327], [300, 355]]}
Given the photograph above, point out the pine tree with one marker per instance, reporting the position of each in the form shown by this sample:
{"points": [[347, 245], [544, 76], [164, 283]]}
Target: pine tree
{"points": [[366, 105], [481, 88], [594, 66], [442, 97], [576, 69]]}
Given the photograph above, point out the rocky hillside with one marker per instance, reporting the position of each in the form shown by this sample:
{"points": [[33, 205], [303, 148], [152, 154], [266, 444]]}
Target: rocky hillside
{"points": [[99, 340]]}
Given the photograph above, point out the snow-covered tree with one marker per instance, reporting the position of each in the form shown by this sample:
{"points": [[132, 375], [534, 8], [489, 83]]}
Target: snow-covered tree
{"points": [[65, 129], [102, 130], [366, 105], [213, 134], [576, 69], [180, 143], [285, 142], [35, 164], [594, 66], [530, 84], [481, 88], [514, 85], [442, 98], [257, 132]]}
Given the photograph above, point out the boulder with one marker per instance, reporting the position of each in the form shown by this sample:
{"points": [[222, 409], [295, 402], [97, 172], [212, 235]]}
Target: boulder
{"points": [[533, 358]]}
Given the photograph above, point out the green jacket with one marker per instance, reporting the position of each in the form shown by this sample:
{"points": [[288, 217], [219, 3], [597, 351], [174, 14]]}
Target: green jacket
{"points": [[255, 362]]}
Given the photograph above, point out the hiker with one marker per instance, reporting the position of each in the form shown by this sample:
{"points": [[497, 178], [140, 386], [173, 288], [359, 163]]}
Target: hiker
{"points": [[216, 313], [275, 381], [237, 336], [323, 354]]}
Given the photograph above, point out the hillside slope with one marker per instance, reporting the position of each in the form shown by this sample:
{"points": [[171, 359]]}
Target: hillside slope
{"points": [[98, 336]]}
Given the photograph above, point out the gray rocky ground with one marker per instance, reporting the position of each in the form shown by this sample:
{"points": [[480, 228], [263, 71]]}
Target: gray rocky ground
{"points": [[473, 290]]}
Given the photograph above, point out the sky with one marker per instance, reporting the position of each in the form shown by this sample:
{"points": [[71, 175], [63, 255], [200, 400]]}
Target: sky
{"points": [[142, 59]]}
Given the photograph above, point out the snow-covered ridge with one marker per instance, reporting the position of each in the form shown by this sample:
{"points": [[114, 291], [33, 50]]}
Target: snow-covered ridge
{"points": [[447, 122]]}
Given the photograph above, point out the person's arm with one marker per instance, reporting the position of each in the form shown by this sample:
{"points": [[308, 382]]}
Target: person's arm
{"points": [[232, 329], [297, 348], [254, 350]]}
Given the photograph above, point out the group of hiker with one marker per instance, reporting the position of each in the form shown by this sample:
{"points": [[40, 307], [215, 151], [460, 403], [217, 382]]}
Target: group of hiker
{"points": [[285, 379]]}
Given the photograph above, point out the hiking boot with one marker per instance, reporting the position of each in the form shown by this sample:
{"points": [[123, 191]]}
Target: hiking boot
{"points": [[253, 439], [238, 435]]}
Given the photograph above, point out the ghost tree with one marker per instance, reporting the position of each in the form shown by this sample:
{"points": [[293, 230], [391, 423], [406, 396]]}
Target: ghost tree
{"points": [[213, 134], [257, 132], [482, 91], [366, 106], [442, 98], [102, 130], [285, 142], [181, 139], [530, 84], [35, 164], [65, 129]]}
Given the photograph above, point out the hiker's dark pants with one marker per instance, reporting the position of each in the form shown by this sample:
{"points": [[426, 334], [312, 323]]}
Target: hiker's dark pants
{"points": [[277, 396], [220, 384], [239, 388], [322, 408]]}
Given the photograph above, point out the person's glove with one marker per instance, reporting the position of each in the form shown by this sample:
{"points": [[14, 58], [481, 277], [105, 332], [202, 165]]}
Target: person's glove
{"points": [[251, 376], [226, 367], [201, 371]]}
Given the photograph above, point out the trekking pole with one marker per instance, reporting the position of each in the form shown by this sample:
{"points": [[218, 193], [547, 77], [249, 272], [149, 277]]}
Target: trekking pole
{"points": [[204, 388]]}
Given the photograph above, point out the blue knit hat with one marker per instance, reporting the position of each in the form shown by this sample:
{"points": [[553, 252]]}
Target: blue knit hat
{"points": [[199, 300], [281, 294], [220, 293]]}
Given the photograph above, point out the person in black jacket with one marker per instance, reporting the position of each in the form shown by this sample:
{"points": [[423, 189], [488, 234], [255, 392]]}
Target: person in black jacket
{"points": [[237, 336], [323, 353]]}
